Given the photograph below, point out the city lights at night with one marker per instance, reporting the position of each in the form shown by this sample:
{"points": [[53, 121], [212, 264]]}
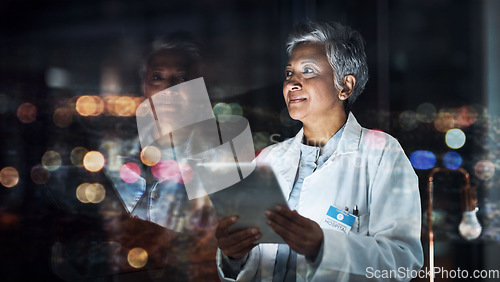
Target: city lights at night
{"points": [[250, 140]]}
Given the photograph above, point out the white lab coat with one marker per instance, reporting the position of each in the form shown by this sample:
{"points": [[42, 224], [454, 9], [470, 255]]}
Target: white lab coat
{"points": [[370, 170]]}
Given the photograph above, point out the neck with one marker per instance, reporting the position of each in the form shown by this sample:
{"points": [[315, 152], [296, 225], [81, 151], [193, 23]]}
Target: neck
{"points": [[318, 133]]}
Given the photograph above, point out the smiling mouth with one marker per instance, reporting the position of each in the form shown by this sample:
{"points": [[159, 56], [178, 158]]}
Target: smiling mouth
{"points": [[296, 100]]}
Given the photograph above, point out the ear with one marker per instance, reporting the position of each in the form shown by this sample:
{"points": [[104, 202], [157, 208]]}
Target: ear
{"points": [[348, 84]]}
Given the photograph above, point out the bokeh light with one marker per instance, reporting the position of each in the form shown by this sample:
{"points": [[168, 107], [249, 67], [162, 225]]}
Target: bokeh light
{"points": [[452, 160], [51, 160], [222, 112], [484, 169], [167, 169], [426, 112], [81, 194], [93, 161], [408, 120], [90, 193], [130, 172], [57, 77], [88, 105], [63, 117], [40, 175], [375, 139], [124, 106], [455, 138], [187, 173], [95, 193], [9, 177], [137, 257], [26, 113], [150, 155], [445, 120], [99, 105], [77, 155], [110, 102], [138, 101], [422, 159], [236, 109]]}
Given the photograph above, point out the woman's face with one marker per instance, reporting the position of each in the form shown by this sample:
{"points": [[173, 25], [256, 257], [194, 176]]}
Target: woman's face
{"points": [[309, 88], [167, 68]]}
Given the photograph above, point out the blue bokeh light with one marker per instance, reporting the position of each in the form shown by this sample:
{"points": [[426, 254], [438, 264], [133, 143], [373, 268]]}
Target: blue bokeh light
{"points": [[423, 159], [452, 160]]}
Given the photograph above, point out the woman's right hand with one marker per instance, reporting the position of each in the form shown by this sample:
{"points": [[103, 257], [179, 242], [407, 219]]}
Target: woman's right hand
{"points": [[235, 244]]}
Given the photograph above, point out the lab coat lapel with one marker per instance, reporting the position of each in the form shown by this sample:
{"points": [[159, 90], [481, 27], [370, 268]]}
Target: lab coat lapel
{"points": [[349, 142], [288, 158]]}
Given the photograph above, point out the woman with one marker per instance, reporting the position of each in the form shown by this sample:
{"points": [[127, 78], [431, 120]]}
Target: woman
{"points": [[332, 172]]}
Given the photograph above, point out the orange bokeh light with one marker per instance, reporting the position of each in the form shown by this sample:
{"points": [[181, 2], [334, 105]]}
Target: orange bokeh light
{"points": [[9, 177], [137, 257], [95, 193], [125, 106], [93, 161], [150, 155], [81, 192], [88, 105]]}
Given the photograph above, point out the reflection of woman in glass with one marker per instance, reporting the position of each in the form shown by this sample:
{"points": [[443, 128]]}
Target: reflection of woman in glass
{"points": [[354, 205], [156, 193]]}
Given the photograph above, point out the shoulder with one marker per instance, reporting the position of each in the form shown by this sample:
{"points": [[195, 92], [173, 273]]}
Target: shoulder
{"points": [[378, 140]]}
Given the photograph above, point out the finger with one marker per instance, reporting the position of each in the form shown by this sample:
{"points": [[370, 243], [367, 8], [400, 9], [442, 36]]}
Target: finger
{"points": [[223, 226], [243, 246], [292, 215], [243, 252], [287, 235], [238, 237], [285, 222], [295, 240]]}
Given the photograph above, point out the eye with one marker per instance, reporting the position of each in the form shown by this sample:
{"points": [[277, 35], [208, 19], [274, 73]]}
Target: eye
{"points": [[308, 70], [156, 77], [288, 73]]}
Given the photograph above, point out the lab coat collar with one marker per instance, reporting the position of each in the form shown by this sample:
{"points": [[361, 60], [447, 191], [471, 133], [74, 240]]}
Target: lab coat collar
{"points": [[288, 156], [349, 141]]}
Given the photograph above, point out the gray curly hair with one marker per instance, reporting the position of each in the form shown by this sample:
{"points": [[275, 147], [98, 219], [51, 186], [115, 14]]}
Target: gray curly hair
{"points": [[344, 49]]}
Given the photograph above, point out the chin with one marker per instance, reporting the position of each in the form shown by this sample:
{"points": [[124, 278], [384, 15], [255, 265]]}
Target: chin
{"points": [[295, 115]]}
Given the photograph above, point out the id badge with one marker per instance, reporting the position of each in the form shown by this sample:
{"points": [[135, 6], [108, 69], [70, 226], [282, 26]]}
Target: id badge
{"points": [[339, 219]]}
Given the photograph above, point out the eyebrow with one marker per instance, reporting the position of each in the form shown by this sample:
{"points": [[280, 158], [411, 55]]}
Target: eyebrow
{"points": [[310, 61]]}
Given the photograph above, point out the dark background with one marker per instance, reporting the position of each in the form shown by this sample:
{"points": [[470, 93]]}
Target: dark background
{"points": [[428, 51]]}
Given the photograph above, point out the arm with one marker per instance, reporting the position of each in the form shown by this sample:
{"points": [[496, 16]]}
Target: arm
{"points": [[393, 241]]}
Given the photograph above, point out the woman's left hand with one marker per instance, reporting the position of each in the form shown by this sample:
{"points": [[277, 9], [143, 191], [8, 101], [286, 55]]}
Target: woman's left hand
{"points": [[303, 235]]}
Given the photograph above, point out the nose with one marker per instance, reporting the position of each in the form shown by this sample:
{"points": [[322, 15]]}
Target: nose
{"points": [[293, 84]]}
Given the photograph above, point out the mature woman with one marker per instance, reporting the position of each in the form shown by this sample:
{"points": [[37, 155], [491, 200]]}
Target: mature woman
{"points": [[353, 201]]}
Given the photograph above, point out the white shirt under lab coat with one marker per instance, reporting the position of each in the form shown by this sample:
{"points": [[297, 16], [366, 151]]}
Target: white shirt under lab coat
{"points": [[370, 170]]}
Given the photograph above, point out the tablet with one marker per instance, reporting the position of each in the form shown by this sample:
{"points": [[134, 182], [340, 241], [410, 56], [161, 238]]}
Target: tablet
{"points": [[249, 199]]}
